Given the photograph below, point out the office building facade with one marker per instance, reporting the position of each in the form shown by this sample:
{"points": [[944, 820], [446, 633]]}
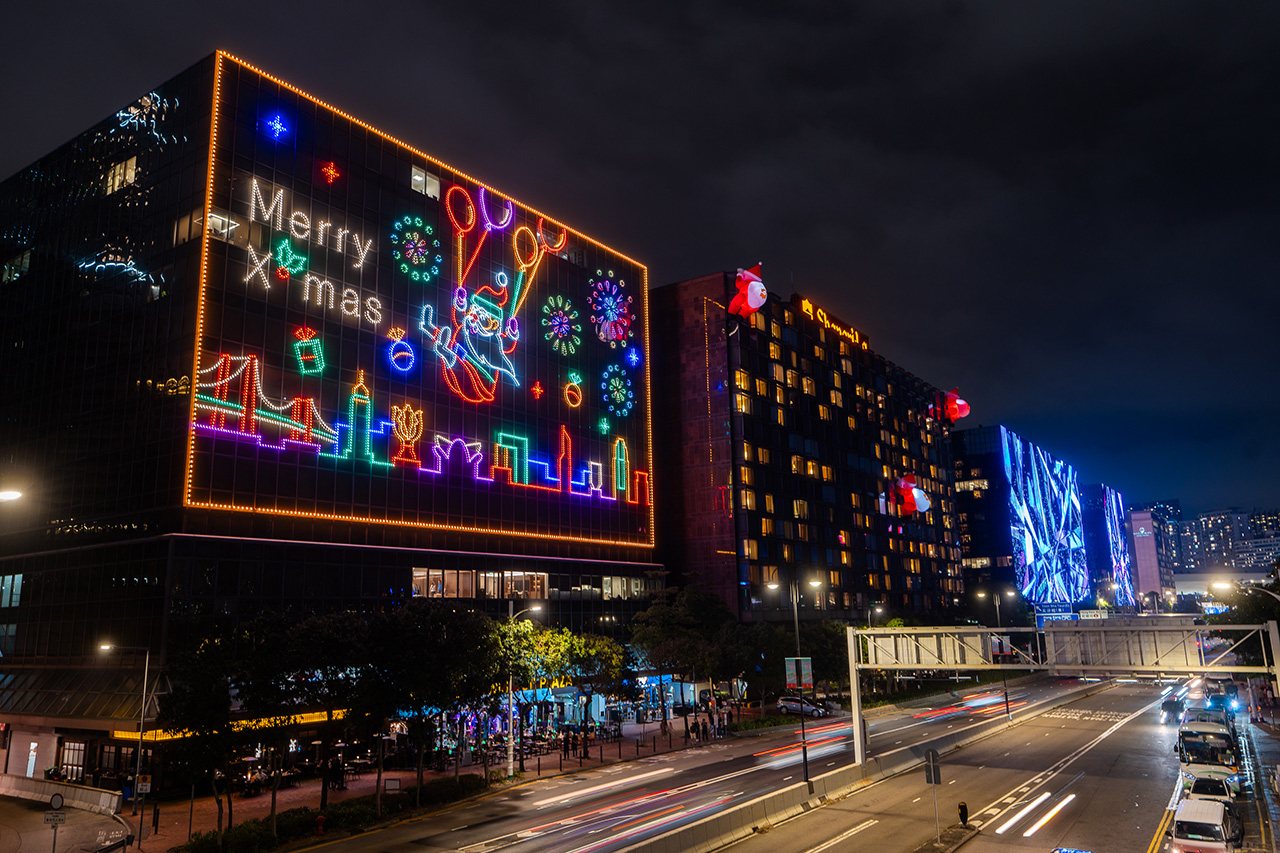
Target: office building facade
{"points": [[261, 357], [783, 443]]}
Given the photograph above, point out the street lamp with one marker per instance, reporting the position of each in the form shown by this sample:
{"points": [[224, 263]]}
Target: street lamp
{"points": [[1230, 585], [995, 597], [511, 698], [871, 614], [9, 495], [795, 612], [142, 716]]}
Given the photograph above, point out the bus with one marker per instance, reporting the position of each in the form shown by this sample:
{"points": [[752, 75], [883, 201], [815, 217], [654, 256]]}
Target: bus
{"points": [[1208, 749]]}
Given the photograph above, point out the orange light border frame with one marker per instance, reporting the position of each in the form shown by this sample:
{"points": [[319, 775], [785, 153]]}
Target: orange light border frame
{"points": [[189, 501]]}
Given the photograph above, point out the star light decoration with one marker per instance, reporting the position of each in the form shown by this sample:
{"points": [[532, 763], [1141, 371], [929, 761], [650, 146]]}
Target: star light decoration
{"points": [[277, 127], [330, 172]]}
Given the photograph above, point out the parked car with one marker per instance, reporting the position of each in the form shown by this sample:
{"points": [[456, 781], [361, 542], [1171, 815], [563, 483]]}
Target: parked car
{"points": [[798, 705]]}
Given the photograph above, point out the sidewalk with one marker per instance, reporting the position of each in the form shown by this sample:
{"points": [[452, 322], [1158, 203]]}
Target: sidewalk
{"points": [[201, 814], [1266, 745]]}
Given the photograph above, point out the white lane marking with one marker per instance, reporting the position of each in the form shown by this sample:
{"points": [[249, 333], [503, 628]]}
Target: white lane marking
{"points": [[586, 792], [842, 836]]}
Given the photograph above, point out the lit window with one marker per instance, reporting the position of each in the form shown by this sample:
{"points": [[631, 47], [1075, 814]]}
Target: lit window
{"points": [[15, 268], [748, 476], [766, 526], [121, 175], [742, 380], [428, 185], [746, 451], [811, 467], [768, 503], [748, 499], [824, 412], [762, 387], [775, 352], [743, 404], [762, 454], [800, 508], [776, 369], [750, 550], [828, 473], [797, 464], [809, 386]]}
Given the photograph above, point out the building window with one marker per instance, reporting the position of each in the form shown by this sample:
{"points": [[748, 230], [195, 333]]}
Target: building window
{"points": [[746, 451], [743, 404], [121, 175], [775, 352], [763, 455], [776, 371], [797, 464], [748, 499], [428, 185], [779, 416], [742, 379], [762, 387], [16, 267], [748, 475], [768, 502], [828, 473], [10, 590], [766, 527], [750, 549], [800, 508], [824, 412]]}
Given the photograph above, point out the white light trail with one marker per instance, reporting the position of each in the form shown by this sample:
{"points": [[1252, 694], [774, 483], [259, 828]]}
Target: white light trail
{"points": [[1020, 815], [1053, 811]]}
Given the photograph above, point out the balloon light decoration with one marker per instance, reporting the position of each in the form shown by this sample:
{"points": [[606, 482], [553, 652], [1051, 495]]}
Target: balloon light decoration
{"points": [[751, 293], [911, 498]]}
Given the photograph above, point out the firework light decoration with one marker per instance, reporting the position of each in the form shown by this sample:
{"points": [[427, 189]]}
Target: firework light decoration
{"points": [[416, 248], [611, 309], [560, 319], [616, 386]]}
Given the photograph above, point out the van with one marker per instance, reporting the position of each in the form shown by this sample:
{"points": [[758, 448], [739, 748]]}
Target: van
{"points": [[1206, 826]]}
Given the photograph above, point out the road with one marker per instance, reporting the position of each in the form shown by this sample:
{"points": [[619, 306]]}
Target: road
{"points": [[616, 806]]}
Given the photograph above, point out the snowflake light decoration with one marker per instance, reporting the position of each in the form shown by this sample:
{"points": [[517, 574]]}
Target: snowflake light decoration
{"points": [[416, 248], [561, 321], [611, 309], [616, 386]]}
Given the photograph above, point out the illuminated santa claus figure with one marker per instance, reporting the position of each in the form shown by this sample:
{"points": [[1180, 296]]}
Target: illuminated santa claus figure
{"points": [[751, 292]]}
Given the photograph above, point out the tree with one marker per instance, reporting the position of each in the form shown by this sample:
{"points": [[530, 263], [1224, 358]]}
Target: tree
{"points": [[198, 705], [678, 634]]}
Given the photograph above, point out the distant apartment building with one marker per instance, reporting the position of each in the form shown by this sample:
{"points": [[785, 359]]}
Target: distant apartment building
{"points": [[781, 441], [1153, 543]]}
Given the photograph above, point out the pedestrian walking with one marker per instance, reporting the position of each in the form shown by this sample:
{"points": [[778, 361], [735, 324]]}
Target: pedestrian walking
{"points": [[706, 731]]}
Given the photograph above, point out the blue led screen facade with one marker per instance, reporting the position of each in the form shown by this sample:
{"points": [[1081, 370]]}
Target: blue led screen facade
{"points": [[1117, 542], [1045, 524]]}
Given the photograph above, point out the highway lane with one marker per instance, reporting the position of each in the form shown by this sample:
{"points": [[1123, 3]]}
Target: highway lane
{"points": [[609, 808], [1097, 775]]}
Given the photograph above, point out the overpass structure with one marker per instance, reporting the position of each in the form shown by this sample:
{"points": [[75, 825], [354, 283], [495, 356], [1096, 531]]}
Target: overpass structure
{"points": [[1136, 648]]}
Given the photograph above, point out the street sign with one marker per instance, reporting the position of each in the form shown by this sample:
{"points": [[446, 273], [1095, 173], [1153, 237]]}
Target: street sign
{"points": [[144, 783], [1053, 613], [55, 818], [799, 673], [932, 768], [55, 802], [1094, 614]]}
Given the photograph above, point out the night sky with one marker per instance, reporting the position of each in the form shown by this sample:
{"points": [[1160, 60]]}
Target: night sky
{"points": [[1067, 209]]}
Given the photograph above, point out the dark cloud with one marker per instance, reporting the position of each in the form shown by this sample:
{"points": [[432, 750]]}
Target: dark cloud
{"points": [[1066, 208]]}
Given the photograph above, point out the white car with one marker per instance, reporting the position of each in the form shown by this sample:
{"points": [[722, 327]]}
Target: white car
{"points": [[797, 705]]}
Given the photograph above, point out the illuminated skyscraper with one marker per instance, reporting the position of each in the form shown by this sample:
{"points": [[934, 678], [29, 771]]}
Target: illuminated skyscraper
{"points": [[784, 442], [258, 356]]}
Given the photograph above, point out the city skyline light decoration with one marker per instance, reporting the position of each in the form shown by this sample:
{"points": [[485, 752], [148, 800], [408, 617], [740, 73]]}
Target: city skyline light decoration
{"points": [[1046, 524], [338, 415], [1118, 546]]}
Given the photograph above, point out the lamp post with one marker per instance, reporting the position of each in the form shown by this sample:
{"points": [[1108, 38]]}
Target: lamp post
{"points": [[1231, 585], [142, 717], [995, 596], [871, 614], [795, 612], [511, 697]]}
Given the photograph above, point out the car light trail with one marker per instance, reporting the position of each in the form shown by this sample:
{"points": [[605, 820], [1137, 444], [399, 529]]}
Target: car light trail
{"points": [[586, 792], [1020, 815], [1048, 817], [866, 824]]}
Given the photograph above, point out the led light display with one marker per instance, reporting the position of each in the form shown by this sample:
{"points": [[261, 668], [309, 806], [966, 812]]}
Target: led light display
{"points": [[1045, 524], [1118, 546], [439, 379]]}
